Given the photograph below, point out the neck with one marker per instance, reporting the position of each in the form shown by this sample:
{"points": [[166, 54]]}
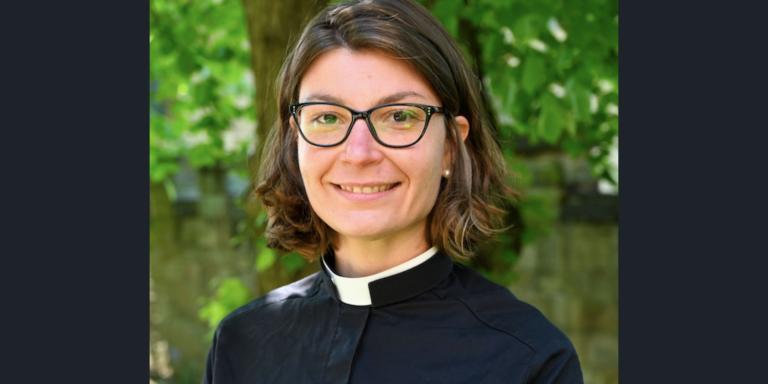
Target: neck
{"points": [[362, 257]]}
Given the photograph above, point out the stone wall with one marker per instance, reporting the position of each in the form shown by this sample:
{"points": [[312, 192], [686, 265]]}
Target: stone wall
{"points": [[190, 250], [571, 272], [571, 275]]}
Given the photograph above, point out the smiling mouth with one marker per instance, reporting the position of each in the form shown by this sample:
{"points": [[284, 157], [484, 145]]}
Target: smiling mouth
{"points": [[367, 189]]}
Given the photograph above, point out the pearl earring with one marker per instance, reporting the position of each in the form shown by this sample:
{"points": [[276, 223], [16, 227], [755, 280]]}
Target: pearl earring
{"points": [[447, 173]]}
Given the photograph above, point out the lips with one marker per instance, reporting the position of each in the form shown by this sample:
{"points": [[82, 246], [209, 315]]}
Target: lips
{"points": [[366, 188]]}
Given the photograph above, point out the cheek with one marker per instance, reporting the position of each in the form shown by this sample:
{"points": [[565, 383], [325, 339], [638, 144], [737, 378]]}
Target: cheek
{"points": [[307, 168], [314, 164], [428, 176], [308, 161], [302, 155], [436, 156]]}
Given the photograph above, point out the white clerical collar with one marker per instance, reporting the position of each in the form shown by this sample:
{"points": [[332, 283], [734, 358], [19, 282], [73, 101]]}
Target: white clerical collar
{"points": [[354, 290]]}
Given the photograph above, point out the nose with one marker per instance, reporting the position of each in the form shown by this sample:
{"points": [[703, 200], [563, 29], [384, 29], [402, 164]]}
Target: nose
{"points": [[360, 147]]}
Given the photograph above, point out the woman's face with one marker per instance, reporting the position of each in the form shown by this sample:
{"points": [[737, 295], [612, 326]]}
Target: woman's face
{"points": [[343, 182]]}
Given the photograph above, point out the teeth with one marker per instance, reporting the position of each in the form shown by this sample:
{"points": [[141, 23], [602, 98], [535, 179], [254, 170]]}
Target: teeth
{"points": [[367, 189]]}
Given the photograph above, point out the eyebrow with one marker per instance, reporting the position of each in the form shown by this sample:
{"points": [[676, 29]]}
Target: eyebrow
{"points": [[393, 98]]}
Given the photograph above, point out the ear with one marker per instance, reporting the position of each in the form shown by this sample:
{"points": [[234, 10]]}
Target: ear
{"points": [[293, 128], [462, 125], [462, 129]]}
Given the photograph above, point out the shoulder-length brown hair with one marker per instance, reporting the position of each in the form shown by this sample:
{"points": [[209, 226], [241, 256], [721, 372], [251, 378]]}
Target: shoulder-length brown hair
{"points": [[468, 209]]}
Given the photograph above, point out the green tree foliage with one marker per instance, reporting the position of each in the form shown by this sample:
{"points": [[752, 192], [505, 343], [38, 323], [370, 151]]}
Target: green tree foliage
{"points": [[550, 71], [230, 294], [550, 68], [200, 85]]}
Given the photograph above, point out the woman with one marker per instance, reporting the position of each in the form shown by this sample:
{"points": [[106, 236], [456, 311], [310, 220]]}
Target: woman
{"points": [[384, 166]]}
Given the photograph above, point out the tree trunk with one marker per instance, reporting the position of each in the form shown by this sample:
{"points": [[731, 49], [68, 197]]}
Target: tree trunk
{"points": [[272, 27]]}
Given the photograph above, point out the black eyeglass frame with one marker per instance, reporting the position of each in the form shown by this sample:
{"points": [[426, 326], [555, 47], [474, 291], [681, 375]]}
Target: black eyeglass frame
{"points": [[366, 115]]}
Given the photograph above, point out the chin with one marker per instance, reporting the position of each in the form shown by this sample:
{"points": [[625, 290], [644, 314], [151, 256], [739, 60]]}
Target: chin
{"points": [[361, 230]]}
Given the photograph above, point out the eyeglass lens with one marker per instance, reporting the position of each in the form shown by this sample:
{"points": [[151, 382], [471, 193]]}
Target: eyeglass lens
{"points": [[327, 124]]}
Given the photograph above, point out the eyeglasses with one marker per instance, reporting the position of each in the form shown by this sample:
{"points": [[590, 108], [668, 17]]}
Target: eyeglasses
{"points": [[391, 125]]}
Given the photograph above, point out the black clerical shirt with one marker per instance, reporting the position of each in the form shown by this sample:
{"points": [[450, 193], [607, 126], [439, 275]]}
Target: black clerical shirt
{"points": [[436, 322]]}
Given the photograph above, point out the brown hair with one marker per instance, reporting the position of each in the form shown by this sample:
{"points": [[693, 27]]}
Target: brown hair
{"points": [[468, 209]]}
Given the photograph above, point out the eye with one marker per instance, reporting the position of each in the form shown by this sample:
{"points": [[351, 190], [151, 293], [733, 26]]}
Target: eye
{"points": [[403, 115], [398, 117], [326, 118]]}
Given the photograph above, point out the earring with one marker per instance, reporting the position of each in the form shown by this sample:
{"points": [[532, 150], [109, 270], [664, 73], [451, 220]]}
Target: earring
{"points": [[447, 173]]}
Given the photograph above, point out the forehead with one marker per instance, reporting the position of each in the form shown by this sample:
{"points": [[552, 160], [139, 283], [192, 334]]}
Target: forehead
{"points": [[361, 78]]}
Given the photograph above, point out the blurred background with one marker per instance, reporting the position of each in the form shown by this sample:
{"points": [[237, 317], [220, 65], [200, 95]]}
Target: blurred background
{"points": [[550, 71]]}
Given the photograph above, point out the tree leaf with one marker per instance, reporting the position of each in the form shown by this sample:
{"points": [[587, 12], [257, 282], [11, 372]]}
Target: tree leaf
{"points": [[578, 96], [551, 122], [448, 11], [230, 294], [292, 262], [534, 74], [265, 259]]}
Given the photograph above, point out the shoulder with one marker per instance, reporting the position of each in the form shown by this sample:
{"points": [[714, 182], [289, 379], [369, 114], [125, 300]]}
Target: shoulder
{"points": [[248, 332], [500, 309], [272, 305]]}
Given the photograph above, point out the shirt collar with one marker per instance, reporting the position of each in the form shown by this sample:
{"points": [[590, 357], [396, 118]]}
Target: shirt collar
{"points": [[400, 282]]}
